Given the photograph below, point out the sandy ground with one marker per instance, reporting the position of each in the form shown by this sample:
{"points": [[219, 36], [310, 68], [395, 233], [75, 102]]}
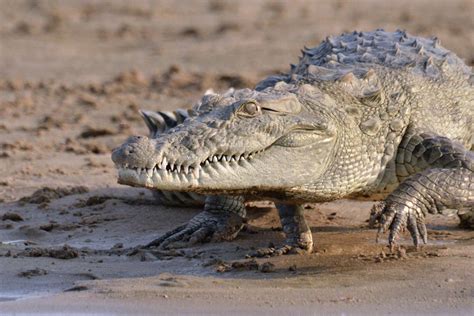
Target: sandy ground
{"points": [[73, 75]]}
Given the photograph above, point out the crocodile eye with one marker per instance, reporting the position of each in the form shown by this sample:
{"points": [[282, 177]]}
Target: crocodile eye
{"points": [[249, 109]]}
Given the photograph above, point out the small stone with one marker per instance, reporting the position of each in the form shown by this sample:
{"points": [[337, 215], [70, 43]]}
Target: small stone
{"points": [[223, 268], [118, 246], [267, 267], [47, 227]]}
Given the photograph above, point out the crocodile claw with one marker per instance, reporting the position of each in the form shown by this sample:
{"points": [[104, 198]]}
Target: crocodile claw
{"points": [[204, 227], [302, 244], [280, 251], [396, 217]]}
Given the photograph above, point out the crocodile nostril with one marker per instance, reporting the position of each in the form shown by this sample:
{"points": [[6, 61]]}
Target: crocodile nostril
{"points": [[128, 151]]}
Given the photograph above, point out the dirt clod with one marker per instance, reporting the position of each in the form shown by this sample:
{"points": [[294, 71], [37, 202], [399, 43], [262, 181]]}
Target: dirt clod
{"points": [[92, 132], [47, 194], [267, 267], [12, 217], [77, 288], [64, 252], [33, 272]]}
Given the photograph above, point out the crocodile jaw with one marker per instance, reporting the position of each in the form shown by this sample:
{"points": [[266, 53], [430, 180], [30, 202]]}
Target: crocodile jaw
{"points": [[233, 175]]}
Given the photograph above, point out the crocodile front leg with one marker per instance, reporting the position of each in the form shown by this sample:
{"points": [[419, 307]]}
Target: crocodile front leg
{"points": [[222, 219], [297, 232], [447, 182]]}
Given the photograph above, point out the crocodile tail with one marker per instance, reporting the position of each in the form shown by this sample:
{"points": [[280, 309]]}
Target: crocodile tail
{"points": [[161, 121]]}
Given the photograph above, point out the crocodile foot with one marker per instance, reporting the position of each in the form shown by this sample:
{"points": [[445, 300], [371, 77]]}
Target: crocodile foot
{"points": [[204, 227], [395, 217], [303, 244]]}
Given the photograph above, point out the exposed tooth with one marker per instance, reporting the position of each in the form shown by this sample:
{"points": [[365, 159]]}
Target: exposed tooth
{"points": [[232, 158], [214, 159], [149, 172], [164, 162], [196, 172], [186, 169]]}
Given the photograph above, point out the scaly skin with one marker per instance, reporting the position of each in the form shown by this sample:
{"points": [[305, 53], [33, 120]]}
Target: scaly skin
{"points": [[374, 114]]}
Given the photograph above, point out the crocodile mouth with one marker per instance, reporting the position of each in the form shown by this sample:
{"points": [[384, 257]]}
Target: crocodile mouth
{"points": [[197, 175], [165, 171]]}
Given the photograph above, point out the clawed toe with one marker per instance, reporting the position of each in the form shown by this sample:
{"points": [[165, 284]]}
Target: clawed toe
{"points": [[396, 218], [204, 227], [287, 249]]}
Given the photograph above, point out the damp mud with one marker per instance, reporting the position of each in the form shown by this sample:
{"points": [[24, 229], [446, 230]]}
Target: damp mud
{"points": [[73, 75]]}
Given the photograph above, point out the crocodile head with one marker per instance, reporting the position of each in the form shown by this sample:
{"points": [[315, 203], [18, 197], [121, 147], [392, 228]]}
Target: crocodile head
{"points": [[242, 142]]}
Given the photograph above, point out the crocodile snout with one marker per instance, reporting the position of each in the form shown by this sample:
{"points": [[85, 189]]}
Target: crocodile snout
{"points": [[136, 152]]}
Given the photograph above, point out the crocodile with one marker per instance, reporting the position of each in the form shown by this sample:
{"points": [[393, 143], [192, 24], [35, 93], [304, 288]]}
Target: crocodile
{"points": [[378, 115]]}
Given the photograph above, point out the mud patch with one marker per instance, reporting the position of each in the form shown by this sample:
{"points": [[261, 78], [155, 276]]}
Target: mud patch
{"points": [[48, 194], [32, 273], [65, 252], [91, 132], [12, 217], [235, 266]]}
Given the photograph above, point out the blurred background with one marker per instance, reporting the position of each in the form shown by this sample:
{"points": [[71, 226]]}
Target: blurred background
{"points": [[93, 39], [73, 74]]}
